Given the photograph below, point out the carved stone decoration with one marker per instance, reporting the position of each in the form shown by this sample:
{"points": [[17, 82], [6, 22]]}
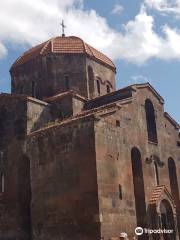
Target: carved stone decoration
{"points": [[155, 158]]}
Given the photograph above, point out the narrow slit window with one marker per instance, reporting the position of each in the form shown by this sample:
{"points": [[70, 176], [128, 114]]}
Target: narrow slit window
{"points": [[118, 124], [33, 89], [98, 87], [2, 183], [21, 89], [120, 192], [108, 89], [67, 86]]}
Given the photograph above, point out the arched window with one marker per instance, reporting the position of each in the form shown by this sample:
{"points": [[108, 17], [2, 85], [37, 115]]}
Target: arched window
{"points": [[174, 187], [108, 89], [91, 80], [2, 183], [33, 91], [98, 87], [138, 182], [67, 82], [173, 178], [151, 121]]}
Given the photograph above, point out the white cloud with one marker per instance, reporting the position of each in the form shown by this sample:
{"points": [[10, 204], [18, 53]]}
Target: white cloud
{"points": [[31, 22], [117, 9], [139, 79], [157, 4], [3, 50], [136, 79], [140, 42], [165, 6]]}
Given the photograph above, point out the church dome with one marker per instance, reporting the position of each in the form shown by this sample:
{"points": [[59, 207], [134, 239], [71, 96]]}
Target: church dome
{"points": [[64, 45]]}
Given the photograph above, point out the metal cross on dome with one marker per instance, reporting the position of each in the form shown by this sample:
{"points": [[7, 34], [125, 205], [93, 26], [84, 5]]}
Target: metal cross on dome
{"points": [[63, 28]]}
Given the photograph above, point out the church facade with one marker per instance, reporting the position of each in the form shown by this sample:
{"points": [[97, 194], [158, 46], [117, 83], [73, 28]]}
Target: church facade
{"points": [[80, 160]]}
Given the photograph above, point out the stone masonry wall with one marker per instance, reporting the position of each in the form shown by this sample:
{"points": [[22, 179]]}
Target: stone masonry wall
{"points": [[105, 76], [49, 75], [15, 200], [114, 143], [56, 73], [64, 184], [38, 114]]}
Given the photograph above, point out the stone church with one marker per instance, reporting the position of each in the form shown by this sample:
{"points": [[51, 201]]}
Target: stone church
{"points": [[80, 160]]}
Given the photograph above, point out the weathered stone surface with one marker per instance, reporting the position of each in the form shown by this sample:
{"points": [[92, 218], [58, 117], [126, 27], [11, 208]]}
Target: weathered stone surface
{"points": [[63, 182], [49, 75], [77, 168]]}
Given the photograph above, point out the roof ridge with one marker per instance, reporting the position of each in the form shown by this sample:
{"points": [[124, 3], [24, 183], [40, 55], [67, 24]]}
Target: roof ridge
{"points": [[172, 120], [16, 62], [52, 43], [34, 48], [90, 49], [147, 84], [93, 50], [101, 53], [44, 47], [84, 45]]}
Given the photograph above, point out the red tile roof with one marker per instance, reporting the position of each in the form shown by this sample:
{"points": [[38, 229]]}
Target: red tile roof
{"points": [[73, 45], [157, 193]]}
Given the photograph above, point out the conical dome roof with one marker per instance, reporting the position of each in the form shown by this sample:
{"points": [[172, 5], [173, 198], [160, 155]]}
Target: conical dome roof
{"points": [[64, 45]]}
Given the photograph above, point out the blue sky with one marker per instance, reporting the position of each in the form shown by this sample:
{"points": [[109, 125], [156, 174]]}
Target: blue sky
{"points": [[141, 36]]}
